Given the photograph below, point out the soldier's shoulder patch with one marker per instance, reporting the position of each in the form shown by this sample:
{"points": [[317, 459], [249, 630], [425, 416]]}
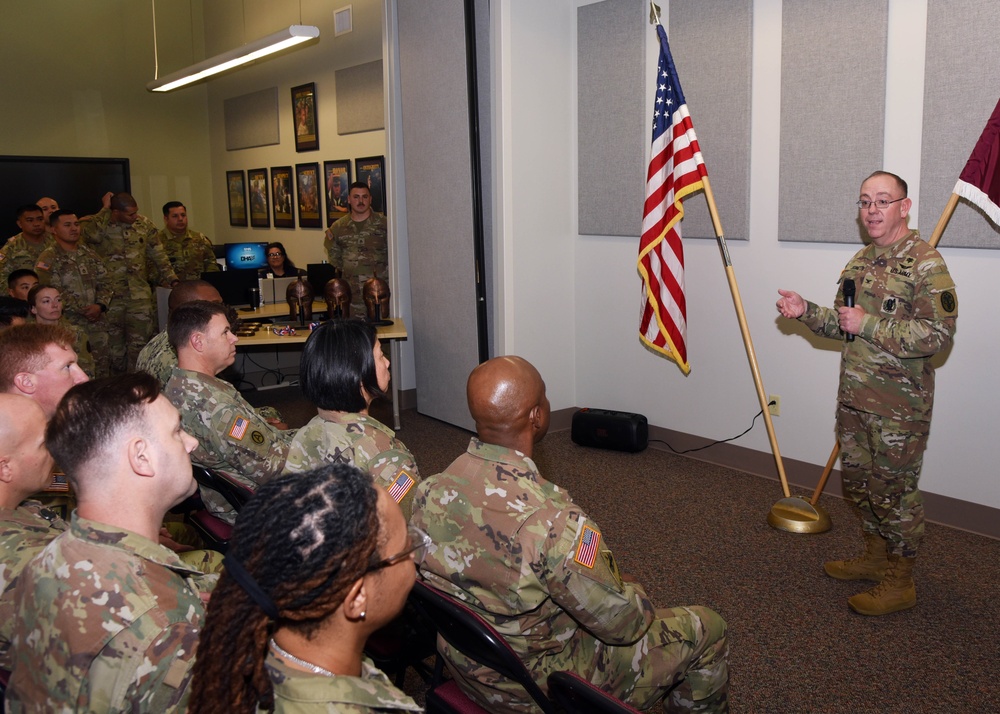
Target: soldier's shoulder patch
{"points": [[400, 486], [41, 265], [239, 428], [948, 301], [587, 547], [257, 437]]}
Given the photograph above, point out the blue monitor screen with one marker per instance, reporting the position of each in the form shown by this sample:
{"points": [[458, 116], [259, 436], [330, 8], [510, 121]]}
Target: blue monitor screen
{"points": [[243, 256]]}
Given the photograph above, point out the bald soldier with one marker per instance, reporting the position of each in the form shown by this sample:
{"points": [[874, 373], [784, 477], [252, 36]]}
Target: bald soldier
{"points": [[25, 526], [527, 559]]}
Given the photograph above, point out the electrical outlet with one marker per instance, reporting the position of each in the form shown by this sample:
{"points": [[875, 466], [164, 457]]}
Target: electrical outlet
{"points": [[774, 405]]}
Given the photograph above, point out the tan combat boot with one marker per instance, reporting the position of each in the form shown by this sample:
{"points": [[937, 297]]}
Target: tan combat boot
{"points": [[870, 565], [895, 592]]}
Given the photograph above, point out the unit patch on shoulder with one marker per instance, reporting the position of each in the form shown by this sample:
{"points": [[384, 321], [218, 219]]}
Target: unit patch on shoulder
{"points": [[948, 301], [586, 549], [239, 428], [400, 486], [257, 437]]}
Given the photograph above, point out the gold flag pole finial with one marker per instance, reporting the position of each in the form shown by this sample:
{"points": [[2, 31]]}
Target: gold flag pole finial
{"points": [[654, 13]]}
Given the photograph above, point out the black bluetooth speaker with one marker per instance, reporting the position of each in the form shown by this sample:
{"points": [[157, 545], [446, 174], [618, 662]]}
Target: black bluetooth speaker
{"points": [[606, 429]]}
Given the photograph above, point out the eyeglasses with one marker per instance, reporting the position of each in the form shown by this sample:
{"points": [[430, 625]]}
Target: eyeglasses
{"points": [[880, 203], [418, 544], [275, 255]]}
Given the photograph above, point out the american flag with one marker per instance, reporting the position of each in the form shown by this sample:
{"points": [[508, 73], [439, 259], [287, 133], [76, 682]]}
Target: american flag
{"points": [[979, 181], [239, 428], [586, 552], [399, 487], [676, 169]]}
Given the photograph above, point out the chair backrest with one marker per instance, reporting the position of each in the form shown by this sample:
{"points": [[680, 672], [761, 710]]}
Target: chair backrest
{"points": [[470, 634], [232, 490], [575, 694]]}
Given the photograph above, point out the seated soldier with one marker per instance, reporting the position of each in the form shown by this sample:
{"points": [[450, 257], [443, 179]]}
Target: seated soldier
{"points": [[20, 281], [232, 436], [522, 554], [25, 526], [108, 618], [38, 361]]}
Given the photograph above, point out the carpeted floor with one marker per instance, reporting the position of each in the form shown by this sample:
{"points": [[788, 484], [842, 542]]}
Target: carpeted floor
{"points": [[695, 533]]}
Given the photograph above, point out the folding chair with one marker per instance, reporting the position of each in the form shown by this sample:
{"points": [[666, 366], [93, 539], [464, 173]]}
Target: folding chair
{"points": [[462, 628], [575, 694]]}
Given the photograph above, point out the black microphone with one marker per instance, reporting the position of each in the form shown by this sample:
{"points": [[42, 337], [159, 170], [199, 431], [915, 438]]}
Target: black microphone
{"points": [[849, 291]]}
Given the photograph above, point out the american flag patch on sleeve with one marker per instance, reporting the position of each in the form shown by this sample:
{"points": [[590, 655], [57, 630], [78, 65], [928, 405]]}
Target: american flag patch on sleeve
{"points": [[401, 486], [239, 428], [586, 549]]}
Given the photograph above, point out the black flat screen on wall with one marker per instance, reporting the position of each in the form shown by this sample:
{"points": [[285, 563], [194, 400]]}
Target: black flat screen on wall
{"points": [[77, 184]]}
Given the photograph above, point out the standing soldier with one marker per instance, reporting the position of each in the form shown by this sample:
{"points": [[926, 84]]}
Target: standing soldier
{"points": [[190, 252], [79, 274], [358, 244], [22, 250], [135, 260]]}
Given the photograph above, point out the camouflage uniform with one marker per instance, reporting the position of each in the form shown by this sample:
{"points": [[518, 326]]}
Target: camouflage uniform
{"points": [[24, 532], [109, 622], [887, 380], [190, 254], [231, 436], [159, 359], [81, 278], [360, 249], [518, 551], [20, 253], [134, 260], [296, 692], [360, 440]]}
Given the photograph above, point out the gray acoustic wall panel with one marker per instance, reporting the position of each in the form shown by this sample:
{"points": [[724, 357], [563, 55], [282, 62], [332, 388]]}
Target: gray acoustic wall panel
{"points": [[435, 121], [832, 114], [610, 106], [961, 87], [360, 98], [251, 119], [711, 44]]}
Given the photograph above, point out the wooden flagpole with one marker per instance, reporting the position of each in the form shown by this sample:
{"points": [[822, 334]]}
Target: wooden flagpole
{"points": [[942, 223], [747, 342]]}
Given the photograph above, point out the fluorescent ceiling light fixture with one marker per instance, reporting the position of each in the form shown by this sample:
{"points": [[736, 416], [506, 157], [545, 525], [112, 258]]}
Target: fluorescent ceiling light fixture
{"points": [[290, 36]]}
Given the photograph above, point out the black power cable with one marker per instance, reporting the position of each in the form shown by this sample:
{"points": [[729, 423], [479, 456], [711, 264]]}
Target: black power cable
{"points": [[721, 441]]}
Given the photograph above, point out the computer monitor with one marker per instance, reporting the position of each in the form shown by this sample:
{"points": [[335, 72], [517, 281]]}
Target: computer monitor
{"points": [[233, 285], [243, 256]]}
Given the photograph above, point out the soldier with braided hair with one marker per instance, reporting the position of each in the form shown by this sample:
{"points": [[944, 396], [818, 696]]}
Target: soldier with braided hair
{"points": [[317, 562]]}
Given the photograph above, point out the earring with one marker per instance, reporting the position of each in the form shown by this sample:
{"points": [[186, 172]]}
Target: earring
{"points": [[362, 616]]}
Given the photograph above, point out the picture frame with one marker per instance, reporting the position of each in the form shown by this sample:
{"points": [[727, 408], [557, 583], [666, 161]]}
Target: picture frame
{"points": [[282, 197], [260, 211], [307, 189], [337, 181], [237, 192], [371, 170], [305, 122]]}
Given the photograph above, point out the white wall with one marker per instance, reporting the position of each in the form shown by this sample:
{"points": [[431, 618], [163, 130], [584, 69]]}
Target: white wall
{"points": [[591, 355]]}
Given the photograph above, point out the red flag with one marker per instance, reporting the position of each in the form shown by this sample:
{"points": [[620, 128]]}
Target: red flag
{"points": [[675, 171], [979, 181]]}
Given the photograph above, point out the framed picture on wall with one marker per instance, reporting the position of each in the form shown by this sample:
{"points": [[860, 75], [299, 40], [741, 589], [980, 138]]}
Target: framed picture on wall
{"points": [[371, 170], [307, 183], [260, 213], [281, 196], [304, 116], [237, 192], [338, 178]]}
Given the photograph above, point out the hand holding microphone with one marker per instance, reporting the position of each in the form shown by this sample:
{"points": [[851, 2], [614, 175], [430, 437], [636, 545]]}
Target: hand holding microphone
{"points": [[849, 292]]}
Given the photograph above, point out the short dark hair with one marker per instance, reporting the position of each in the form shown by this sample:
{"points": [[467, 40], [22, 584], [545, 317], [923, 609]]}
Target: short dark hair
{"points": [[56, 215], [11, 307], [191, 317], [337, 361], [18, 274], [171, 205], [91, 414], [28, 208], [359, 184], [902, 184], [22, 349], [121, 201]]}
